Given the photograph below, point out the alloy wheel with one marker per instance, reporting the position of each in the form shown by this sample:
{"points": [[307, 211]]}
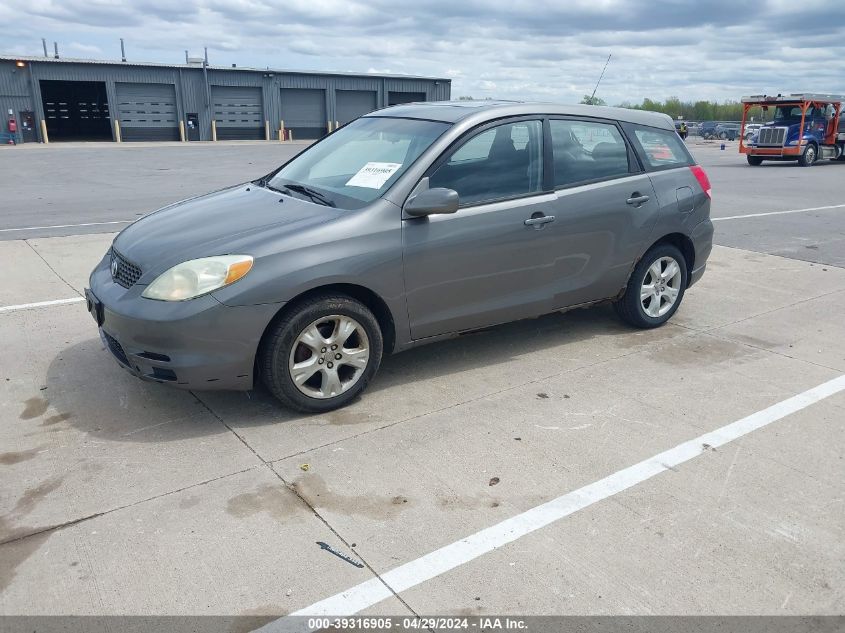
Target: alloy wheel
{"points": [[661, 286], [329, 356]]}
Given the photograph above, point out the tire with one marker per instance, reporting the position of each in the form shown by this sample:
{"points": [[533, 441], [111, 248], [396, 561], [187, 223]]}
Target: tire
{"points": [[809, 156], [288, 343], [723, 136], [632, 306], [754, 161]]}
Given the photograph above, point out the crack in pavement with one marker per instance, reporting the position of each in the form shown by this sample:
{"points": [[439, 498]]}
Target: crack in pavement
{"points": [[53, 270], [71, 522]]}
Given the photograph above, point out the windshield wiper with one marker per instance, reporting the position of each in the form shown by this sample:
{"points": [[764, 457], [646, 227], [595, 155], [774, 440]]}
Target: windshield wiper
{"points": [[315, 196]]}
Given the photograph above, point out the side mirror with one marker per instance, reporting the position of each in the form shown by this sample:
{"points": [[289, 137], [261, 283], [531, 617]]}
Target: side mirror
{"points": [[431, 201]]}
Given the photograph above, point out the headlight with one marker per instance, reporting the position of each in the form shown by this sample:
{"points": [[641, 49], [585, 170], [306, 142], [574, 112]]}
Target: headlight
{"points": [[198, 277]]}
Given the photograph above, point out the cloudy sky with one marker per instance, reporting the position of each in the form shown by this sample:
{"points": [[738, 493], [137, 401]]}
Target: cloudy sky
{"points": [[702, 49]]}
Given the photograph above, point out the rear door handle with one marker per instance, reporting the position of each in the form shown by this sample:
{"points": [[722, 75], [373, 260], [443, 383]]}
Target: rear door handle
{"points": [[637, 200], [539, 221]]}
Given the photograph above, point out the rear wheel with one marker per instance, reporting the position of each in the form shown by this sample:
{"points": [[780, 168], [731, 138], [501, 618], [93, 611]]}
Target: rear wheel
{"points": [[655, 289], [808, 156], [754, 161], [321, 354]]}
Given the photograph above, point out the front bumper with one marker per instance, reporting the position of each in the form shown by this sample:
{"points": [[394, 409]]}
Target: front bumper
{"points": [[195, 344]]}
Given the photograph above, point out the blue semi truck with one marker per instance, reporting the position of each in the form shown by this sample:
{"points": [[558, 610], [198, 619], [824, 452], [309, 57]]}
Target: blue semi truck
{"points": [[805, 128]]}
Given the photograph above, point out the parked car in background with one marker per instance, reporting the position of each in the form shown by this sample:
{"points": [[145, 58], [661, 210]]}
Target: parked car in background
{"points": [[727, 131], [750, 130], [408, 225], [707, 129]]}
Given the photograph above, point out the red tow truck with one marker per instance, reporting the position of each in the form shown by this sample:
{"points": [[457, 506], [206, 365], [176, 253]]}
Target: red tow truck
{"points": [[805, 128]]}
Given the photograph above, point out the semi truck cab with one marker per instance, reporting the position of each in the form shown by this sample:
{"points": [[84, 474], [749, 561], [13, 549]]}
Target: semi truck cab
{"points": [[805, 128]]}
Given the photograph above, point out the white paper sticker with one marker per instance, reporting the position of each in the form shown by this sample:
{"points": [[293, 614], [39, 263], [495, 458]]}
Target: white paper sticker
{"points": [[373, 175]]}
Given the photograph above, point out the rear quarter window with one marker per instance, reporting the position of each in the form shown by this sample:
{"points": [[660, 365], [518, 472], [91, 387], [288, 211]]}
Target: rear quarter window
{"points": [[658, 148]]}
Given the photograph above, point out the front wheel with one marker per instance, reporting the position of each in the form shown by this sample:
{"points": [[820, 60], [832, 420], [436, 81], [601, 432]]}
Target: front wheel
{"points": [[754, 161], [321, 354], [809, 155], [655, 289]]}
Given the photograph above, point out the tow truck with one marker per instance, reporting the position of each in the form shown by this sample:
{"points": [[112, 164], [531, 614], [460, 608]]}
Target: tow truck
{"points": [[806, 128]]}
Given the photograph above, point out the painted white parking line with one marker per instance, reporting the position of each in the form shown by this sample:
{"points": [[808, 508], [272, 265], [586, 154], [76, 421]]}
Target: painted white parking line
{"points": [[40, 304], [446, 558], [65, 226], [760, 215]]}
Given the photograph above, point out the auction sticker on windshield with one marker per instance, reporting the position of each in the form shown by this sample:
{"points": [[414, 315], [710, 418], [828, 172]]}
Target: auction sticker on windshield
{"points": [[373, 175]]}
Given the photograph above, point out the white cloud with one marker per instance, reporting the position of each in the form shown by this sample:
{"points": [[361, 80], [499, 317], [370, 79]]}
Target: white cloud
{"points": [[547, 49]]}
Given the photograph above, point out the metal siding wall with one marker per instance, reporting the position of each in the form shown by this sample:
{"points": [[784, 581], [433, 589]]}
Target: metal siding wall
{"points": [[194, 100], [15, 95], [190, 86]]}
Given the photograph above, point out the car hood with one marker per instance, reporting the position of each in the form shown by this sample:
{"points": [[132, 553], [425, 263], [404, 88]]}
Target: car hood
{"points": [[232, 220]]}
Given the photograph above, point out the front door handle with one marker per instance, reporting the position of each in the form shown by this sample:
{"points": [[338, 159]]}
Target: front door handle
{"points": [[539, 220], [637, 200]]}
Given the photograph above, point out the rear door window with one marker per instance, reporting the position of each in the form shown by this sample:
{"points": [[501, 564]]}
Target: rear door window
{"points": [[658, 148], [587, 151]]}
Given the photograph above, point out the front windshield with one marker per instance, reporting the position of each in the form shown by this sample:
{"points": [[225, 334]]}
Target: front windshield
{"points": [[792, 112], [359, 162]]}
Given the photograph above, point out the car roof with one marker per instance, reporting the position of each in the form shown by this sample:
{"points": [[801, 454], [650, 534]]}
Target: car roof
{"points": [[480, 111]]}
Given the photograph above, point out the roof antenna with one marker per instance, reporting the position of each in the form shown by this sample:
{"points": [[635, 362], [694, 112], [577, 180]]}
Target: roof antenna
{"points": [[44, 44], [122, 51], [186, 56], [56, 49], [592, 96]]}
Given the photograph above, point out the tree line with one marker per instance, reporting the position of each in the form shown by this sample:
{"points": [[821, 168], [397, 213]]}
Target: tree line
{"points": [[688, 110]]}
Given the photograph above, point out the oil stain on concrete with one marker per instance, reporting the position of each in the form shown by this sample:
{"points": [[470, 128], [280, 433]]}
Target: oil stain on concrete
{"points": [[19, 541], [34, 407], [56, 419], [16, 457], [314, 490], [275, 500]]}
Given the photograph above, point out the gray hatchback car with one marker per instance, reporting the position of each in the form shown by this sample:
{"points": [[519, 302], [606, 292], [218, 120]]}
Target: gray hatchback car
{"points": [[409, 225]]}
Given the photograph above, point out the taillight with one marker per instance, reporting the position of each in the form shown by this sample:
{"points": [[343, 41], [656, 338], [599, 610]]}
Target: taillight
{"points": [[703, 180]]}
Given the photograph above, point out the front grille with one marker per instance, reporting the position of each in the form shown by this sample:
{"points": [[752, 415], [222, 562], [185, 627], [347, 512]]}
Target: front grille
{"points": [[123, 271], [116, 348], [774, 136]]}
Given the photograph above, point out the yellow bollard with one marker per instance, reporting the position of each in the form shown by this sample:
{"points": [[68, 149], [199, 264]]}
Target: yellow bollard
{"points": [[181, 130], [213, 130], [266, 130], [117, 131], [290, 135], [282, 130], [336, 125], [44, 131]]}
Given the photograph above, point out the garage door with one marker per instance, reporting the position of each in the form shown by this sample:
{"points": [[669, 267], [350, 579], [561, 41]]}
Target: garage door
{"points": [[147, 112], [396, 97], [354, 103], [304, 112], [238, 112]]}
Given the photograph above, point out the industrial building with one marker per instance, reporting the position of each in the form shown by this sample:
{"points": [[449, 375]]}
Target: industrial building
{"points": [[78, 99]]}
